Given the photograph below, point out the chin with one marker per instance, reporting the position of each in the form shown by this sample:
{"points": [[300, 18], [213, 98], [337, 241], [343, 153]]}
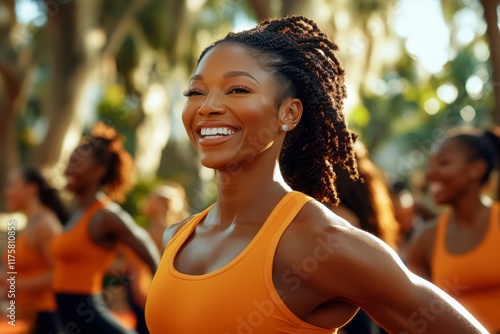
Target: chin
{"points": [[218, 164], [70, 188], [440, 200]]}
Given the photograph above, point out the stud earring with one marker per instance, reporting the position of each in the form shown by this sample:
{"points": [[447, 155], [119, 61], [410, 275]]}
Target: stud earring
{"points": [[284, 127]]}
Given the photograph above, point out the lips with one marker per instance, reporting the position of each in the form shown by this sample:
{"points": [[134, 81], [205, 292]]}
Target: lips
{"points": [[435, 187]]}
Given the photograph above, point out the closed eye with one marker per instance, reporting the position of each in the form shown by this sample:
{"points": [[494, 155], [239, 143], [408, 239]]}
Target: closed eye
{"points": [[191, 92], [239, 90]]}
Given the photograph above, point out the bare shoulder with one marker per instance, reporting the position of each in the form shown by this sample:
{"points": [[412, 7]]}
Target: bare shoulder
{"points": [[423, 239], [112, 223], [114, 211], [344, 255], [47, 225], [45, 229], [112, 217], [316, 220], [318, 230], [172, 230], [347, 214]]}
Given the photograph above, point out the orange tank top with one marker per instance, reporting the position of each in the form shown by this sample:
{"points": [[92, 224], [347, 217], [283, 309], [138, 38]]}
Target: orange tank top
{"points": [[237, 298], [472, 278], [80, 263], [30, 263]]}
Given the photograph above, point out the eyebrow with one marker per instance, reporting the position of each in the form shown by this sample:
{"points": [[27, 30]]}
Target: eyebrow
{"points": [[227, 75]]}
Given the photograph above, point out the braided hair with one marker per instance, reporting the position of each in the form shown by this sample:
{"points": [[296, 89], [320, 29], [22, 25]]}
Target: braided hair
{"points": [[46, 194], [106, 146], [302, 59], [480, 145]]}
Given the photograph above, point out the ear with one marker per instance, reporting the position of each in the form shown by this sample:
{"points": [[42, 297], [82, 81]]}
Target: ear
{"points": [[290, 113], [99, 171], [477, 169]]}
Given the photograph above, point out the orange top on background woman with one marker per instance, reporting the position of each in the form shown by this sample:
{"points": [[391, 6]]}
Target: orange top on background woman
{"points": [[27, 191], [458, 252], [99, 171]]}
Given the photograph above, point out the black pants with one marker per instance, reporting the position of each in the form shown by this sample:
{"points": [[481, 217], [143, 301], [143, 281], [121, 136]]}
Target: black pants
{"points": [[362, 324], [140, 318], [87, 314], [46, 323]]}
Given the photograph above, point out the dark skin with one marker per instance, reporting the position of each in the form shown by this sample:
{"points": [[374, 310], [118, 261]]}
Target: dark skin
{"points": [[456, 181], [230, 90], [110, 225]]}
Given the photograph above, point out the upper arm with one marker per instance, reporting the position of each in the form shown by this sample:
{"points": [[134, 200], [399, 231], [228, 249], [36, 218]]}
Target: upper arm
{"points": [[109, 227], [419, 252], [44, 231], [365, 272]]}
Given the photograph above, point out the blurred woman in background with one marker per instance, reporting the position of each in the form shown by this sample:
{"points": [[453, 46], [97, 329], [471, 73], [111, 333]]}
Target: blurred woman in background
{"points": [[28, 192], [98, 174], [166, 205], [457, 251]]}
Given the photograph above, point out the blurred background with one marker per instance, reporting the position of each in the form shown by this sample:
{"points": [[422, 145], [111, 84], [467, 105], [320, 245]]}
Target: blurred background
{"points": [[414, 69]]}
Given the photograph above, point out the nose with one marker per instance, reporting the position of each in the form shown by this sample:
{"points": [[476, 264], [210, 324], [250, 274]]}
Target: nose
{"points": [[430, 172], [212, 106]]}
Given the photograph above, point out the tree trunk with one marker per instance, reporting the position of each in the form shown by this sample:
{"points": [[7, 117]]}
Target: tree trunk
{"points": [[68, 64], [13, 97], [493, 34], [76, 64]]}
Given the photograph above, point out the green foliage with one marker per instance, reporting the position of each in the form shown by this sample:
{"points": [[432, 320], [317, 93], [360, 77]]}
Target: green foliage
{"points": [[397, 120], [135, 199], [122, 112]]}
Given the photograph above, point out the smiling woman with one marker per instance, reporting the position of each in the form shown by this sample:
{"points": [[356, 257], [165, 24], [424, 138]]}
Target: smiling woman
{"points": [[99, 173], [264, 109], [456, 251]]}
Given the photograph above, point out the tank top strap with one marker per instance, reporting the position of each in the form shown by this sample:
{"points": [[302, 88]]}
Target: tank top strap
{"points": [[282, 215], [440, 238], [188, 228], [97, 205]]}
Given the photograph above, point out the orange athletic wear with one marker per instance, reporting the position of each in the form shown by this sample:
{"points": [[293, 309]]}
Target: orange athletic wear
{"points": [[80, 263], [237, 298], [472, 278], [31, 263]]}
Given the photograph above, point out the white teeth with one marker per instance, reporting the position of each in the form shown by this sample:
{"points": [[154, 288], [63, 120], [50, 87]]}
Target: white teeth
{"points": [[435, 187], [217, 132]]}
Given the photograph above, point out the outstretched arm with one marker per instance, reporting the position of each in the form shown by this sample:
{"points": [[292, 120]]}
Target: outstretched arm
{"points": [[375, 279]]}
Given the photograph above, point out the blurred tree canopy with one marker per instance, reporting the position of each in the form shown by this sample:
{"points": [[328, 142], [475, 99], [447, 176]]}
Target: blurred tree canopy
{"points": [[66, 63]]}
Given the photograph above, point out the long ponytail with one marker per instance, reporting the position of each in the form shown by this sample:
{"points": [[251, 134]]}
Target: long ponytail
{"points": [[47, 195]]}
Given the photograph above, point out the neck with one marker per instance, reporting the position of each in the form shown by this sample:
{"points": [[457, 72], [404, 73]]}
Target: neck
{"points": [[88, 196], [33, 208], [467, 208], [249, 195]]}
